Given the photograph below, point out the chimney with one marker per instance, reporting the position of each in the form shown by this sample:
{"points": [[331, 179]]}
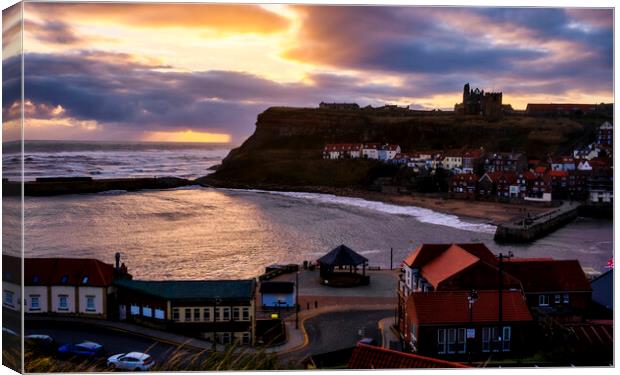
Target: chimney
{"points": [[117, 256]]}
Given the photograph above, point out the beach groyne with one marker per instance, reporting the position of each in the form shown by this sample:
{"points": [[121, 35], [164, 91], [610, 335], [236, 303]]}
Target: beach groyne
{"points": [[84, 185], [532, 228]]}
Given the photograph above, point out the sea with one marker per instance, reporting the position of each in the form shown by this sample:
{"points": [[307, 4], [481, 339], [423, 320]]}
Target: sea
{"points": [[202, 233]]}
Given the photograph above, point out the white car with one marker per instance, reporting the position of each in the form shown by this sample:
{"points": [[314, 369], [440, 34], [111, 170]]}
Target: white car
{"points": [[131, 361]]}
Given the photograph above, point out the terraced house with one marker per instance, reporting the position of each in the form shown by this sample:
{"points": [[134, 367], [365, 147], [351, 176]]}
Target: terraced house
{"points": [[223, 311], [63, 286]]}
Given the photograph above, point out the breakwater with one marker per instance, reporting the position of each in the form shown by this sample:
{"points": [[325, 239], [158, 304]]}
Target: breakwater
{"points": [[83, 185], [532, 228]]}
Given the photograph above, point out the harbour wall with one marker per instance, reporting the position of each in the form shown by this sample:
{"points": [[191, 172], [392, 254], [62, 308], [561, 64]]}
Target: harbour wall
{"points": [[539, 226], [84, 185]]}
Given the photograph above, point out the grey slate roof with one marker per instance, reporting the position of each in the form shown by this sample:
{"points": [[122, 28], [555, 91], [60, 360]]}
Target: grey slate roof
{"points": [[342, 256], [185, 290]]}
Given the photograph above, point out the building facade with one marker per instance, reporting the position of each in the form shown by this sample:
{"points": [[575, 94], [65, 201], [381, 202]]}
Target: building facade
{"points": [[222, 311]]}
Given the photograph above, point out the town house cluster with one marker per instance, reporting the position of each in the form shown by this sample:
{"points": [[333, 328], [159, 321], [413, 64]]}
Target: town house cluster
{"points": [[462, 302], [587, 174]]}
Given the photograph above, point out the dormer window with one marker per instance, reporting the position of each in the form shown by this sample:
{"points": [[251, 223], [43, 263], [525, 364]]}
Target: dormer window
{"points": [[85, 280], [64, 279]]}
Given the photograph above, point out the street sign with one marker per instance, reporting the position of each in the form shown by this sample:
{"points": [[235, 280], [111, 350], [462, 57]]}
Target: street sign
{"points": [[471, 333]]}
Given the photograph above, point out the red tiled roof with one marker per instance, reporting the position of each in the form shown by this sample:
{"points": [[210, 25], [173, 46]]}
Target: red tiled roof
{"points": [[540, 170], [472, 154], [548, 275], [558, 173], [529, 175], [448, 263], [465, 177], [427, 252], [342, 147], [453, 307], [374, 357], [509, 177], [52, 271]]}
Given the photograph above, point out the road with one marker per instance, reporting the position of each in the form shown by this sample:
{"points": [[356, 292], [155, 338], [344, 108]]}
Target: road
{"points": [[339, 330], [114, 341]]}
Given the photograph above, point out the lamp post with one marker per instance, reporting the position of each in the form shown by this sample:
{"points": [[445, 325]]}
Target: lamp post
{"points": [[500, 298], [471, 299]]}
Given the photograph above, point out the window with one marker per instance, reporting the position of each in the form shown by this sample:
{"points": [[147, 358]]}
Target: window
{"points": [[486, 339], [461, 342], [159, 314], [566, 298], [90, 303], [441, 341], [84, 280], [506, 339], [188, 315], [197, 314], [218, 317], [175, 314], [451, 340], [245, 314], [35, 304], [63, 302], [206, 314], [246, 338], [147, 311], [558, 298], [135, 310], [64, 279], [226, 313], [236, 314], [7, 298], [543, 300], [226, 338]]}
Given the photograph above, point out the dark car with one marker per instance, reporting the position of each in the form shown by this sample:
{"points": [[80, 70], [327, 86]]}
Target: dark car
{"points": [[83, 349], [40, 343]]}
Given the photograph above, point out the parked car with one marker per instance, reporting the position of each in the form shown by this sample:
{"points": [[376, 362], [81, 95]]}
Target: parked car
{"points": [[83, 349], [133, 361], [43, 343], [368, 341]]}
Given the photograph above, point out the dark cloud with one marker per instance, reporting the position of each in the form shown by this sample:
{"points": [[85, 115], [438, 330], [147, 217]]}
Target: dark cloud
{"points": [[439, 42], [54, 32]]}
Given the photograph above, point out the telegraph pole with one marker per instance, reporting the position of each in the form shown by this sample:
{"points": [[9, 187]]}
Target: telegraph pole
{"points": [[391, 258]]}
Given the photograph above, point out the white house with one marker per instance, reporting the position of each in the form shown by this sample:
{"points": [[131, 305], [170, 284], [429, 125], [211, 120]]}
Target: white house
{"points": [[67, 286], [388, 151], [588, 153], [342, 151], [370, 150], [584, 165], [453, 160]]}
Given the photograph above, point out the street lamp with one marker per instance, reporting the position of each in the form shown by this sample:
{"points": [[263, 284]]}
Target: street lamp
{"points": [[471, 299]]}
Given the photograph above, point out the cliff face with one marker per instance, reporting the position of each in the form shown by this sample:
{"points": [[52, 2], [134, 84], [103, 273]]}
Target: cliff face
{"points": [[286, 147]]}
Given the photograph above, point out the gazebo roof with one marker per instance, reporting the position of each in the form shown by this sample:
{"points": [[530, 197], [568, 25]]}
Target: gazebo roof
{"points": [[342, 256]]}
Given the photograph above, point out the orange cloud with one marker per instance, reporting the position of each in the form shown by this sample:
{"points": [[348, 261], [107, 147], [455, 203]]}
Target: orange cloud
{"points": [[222, 17], [186, 136]]}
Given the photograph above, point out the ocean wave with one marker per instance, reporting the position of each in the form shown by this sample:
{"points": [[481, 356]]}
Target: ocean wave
{"points": [[423, 215]]}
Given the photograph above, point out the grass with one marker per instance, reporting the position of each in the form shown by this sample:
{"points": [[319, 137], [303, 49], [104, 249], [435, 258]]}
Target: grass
{"points": [[234, 358]]}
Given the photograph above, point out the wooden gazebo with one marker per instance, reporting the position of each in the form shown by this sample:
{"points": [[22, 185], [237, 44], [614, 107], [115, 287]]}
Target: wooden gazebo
{"points": [[339, 268]]}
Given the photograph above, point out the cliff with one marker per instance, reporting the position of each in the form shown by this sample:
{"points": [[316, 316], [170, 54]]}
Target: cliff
{"points": [[286, 147]]}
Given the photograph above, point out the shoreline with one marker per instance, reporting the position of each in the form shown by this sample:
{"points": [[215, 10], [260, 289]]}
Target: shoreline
{"points": [[493, 213]]}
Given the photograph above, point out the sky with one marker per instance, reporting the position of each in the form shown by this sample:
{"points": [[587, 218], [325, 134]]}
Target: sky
{"points": [[196, 72]]}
